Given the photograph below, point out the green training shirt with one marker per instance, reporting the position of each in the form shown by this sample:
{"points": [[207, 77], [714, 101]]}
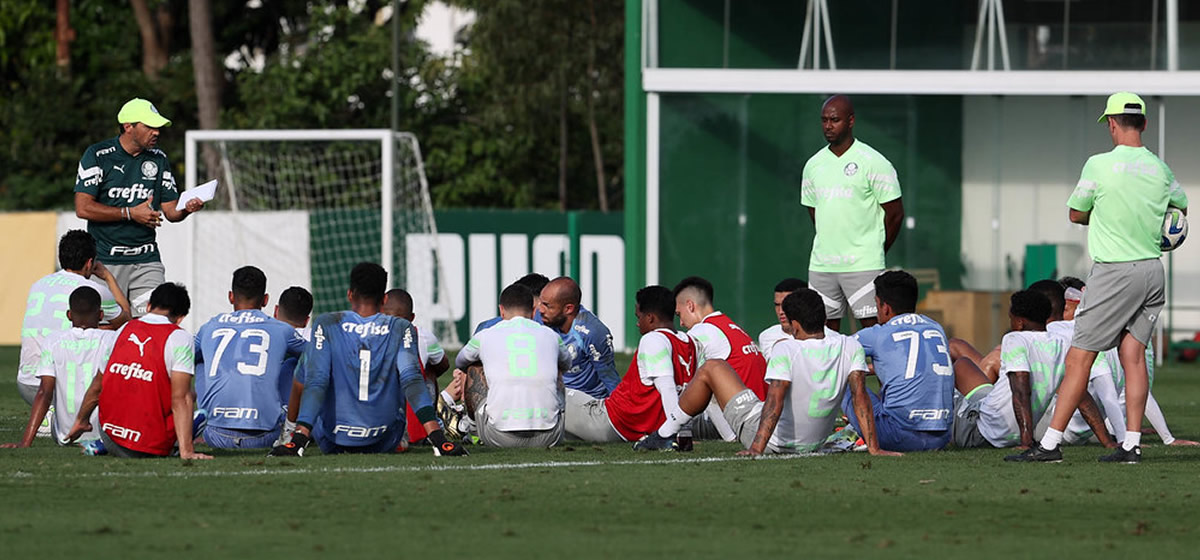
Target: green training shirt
{"points": [[1127, 191], [115, 178], [846, 193]]}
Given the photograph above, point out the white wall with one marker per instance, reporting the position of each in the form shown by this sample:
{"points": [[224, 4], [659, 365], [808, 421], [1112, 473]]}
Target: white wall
{"points": [[1021, 158]]}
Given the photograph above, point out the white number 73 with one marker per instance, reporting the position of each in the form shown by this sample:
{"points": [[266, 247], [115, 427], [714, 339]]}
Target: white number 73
{"points": [[910, 369]]}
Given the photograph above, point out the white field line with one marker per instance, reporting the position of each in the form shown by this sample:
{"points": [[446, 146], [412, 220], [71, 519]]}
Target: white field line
{"points": [[416, 468]]}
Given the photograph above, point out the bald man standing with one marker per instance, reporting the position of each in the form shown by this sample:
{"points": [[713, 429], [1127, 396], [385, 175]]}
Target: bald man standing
{"points": [[853, 198], [593, 369]]}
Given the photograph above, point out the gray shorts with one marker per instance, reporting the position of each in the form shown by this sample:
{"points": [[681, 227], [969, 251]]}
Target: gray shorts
{"points": [[115, 450], [966, 417], [743, 412], [1120, 297], [586, 418], [493, 437], [137, 281], [28, 392], [840, 290]]}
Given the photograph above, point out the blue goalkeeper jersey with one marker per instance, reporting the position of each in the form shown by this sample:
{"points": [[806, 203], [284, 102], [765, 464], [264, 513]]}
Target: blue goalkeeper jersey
{"points": [[358, 371], [912, 361], [593, 369], [243, 354]]}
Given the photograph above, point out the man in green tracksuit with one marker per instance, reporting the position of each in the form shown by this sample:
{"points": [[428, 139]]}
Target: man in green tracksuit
{"points": [[124, 189]]}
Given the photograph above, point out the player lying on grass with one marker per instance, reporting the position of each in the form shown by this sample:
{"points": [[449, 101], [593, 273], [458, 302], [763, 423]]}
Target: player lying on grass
{"points": [[909, 351], [1107, 385], [240, 357], [781, 330], [1005, 414], [432, 358], [514, 388], [145, 390], [69, 361], [359, 370], [808, 376], [664, 362]]}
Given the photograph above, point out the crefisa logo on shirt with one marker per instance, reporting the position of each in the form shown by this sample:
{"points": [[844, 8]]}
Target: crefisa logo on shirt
{"points": [[134, 370], [850, 169], [366, 329]]}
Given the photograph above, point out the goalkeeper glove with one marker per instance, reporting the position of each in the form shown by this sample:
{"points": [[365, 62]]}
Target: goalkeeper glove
{"points": [[294, 448], [445, 447]]}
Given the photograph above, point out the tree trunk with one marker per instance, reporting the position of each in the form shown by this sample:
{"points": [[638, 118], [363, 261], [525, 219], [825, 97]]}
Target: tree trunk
{"points": [[562, 144], [63, 35], [154, 55], [597, 155], [204, 67]]}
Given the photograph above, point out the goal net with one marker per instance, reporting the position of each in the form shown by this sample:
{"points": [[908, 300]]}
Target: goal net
{"points": [[306, 206]]}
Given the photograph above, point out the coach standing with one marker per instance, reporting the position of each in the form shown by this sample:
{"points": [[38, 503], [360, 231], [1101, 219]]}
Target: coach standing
{"points": [[853, 199], [1122, 197], [123, 190]]}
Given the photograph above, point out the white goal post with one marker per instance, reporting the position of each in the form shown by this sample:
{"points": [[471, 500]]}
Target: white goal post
{"points": [[352, 192]]}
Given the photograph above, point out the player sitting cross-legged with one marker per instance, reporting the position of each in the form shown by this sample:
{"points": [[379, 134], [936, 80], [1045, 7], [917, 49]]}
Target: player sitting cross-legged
{"points": [[243, 354], [359, 370], [913, 408], [665, 361], [807, 377], [516, 398], [294, 308], [69, 361], [1031, 368]]}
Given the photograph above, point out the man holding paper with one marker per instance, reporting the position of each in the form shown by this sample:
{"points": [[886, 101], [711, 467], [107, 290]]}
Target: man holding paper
{"points": [[124, 189]]}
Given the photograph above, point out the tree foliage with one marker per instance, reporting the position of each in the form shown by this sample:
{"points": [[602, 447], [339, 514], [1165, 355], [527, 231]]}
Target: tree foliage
{"points": [[488, 117]]}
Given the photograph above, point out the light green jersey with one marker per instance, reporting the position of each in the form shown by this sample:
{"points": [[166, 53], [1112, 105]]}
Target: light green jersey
{"points": [[521, 362], [1127, 191], [846, 193], [1043, 355]]}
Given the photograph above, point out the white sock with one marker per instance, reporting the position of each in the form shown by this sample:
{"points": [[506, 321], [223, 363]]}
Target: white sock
{"points": [[675, 421], [1133, 438], [1051, 440]]}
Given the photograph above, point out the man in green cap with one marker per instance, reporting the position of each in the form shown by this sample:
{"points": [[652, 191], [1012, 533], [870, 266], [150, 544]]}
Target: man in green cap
{"points": [[1122, 197], [124, 189]]}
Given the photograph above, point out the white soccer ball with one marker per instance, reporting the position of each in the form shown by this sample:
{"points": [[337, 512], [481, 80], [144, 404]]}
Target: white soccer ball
{"points": [[1174, 229]]}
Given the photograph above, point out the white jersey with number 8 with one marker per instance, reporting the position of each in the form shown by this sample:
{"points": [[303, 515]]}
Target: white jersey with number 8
{"points": [[521, 362]]}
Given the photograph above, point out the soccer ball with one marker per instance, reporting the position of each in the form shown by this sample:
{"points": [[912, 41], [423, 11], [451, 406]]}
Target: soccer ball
{"points": [[1174, 229]]}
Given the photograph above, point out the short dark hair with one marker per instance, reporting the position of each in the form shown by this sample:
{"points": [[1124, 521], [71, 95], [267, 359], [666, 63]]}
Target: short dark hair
{"points": [[1054, 292], [1072, 282], [368, 281], [534, 281], [897, 289], [295, 303], [75, 249], [806, 307], [249, 283], [790, 285], [1136, 122], [517, 297], [172, 298], [657, 301], [403, 301], [85, 300], [697, 283], [1031, 305]]}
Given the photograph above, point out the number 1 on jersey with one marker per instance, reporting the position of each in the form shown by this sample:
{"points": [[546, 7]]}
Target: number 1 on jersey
{"points": [[364, 374]]}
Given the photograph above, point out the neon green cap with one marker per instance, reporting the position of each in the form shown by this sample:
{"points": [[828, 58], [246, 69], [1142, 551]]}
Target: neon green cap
{"points": [[1120, 104], [139, 110]]}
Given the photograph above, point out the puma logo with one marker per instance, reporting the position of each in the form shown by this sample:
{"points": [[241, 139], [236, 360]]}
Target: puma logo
{"points": [[687, 366], [141, 344], [120, 168]]}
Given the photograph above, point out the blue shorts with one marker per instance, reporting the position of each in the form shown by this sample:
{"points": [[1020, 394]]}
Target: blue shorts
{"points": [[227, 438], [386, 443], [893, 436]]}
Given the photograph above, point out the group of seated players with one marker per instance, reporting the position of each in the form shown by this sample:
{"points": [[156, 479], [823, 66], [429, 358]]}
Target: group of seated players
{"points": [[365, 380]]}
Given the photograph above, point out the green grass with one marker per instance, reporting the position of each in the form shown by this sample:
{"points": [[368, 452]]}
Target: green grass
{"points": [[602, 501]]}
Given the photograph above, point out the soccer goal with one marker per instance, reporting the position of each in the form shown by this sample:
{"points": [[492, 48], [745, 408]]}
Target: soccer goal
{"points": [[306, 206]]}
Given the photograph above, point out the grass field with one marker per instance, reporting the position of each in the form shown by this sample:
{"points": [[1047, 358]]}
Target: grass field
{"points": [[603, 501]]}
